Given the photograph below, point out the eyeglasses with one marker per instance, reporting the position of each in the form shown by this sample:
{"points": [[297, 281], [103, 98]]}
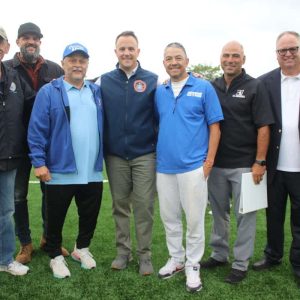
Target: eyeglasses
{"points": [[292, 50]]}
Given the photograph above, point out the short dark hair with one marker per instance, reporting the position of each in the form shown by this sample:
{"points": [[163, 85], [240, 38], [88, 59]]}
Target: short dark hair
{"points": [[176, 45], [127, 33]]}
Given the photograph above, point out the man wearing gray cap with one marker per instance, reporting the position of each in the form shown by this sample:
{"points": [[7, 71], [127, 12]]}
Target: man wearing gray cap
{"points": [[67, 114], [13, 92], [36, 71]]}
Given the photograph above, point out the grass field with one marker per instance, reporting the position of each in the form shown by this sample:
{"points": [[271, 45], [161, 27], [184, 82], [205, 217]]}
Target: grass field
{"points": [[104, 283]]}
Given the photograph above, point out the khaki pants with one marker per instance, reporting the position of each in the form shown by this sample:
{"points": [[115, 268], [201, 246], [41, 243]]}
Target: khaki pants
{"points": [[132, 184]]}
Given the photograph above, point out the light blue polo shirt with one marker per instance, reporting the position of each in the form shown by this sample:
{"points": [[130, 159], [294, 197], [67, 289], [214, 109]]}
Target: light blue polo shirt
{"points": [[85, 137], [184, 125]]}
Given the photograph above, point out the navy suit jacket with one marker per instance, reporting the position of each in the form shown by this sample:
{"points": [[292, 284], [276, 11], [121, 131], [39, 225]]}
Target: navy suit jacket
{"points": [[272, 81]]}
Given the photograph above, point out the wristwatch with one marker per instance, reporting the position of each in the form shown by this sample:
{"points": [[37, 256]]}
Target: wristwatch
{"points": [[260, 162]]}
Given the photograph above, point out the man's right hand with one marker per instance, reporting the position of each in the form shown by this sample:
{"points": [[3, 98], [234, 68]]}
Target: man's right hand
{"points": [[42, 173]]}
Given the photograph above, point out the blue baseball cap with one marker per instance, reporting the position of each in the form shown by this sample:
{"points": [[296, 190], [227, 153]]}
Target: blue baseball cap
{"points": [[75, 47]]}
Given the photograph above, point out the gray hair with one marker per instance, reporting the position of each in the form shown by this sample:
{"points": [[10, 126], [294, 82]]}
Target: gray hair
{"points": [[176, 45], [294, 33]]}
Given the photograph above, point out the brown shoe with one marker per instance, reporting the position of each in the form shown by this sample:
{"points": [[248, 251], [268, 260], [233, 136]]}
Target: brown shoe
{"points": [[25, 253], [64, 251]]}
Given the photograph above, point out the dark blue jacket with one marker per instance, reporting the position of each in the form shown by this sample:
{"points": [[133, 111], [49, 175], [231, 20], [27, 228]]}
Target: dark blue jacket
{"points": [[49, 133], [129, 123]]}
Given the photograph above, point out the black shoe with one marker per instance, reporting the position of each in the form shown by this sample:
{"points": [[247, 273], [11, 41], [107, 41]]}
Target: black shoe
{"points": [[236, 276], [265, 264], [212, 263]]}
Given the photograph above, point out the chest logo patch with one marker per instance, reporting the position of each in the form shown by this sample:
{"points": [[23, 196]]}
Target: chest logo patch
{"points": [[239, 94], [13, 87], [194, 94], [139, 86]]}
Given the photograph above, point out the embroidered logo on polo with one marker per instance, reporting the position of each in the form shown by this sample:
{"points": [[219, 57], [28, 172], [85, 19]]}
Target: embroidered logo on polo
{"points": [[139, 86], [13, 87], [239, 94], [194, 94]]}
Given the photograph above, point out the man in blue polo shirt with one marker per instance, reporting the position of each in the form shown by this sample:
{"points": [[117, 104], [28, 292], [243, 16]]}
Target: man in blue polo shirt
{"points": [[189, 113]]}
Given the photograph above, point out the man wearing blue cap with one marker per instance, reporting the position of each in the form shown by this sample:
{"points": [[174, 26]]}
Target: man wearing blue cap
{"points": [[67, 114], [36, 71]]}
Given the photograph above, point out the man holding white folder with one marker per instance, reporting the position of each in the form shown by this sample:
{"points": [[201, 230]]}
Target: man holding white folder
{"points": [[243, 148]]}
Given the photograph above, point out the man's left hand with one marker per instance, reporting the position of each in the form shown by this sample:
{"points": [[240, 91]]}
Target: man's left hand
{"points": [[258, 173]]}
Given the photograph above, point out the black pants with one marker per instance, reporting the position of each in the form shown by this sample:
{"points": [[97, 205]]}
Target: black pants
{"points": [[284, 184], [58, 199], [21, 214]]}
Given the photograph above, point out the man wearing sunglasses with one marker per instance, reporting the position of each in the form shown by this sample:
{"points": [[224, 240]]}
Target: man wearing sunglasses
{"points": [[283, 160]]}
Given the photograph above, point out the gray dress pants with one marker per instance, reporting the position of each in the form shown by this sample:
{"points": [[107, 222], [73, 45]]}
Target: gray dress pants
{"points": [[224, 184]]}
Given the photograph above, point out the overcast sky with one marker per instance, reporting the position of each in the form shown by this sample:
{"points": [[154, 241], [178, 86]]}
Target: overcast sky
{"points": [[202, 26]]}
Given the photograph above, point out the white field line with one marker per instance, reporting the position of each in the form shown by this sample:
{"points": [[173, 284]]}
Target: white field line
{"points": [[37, 181]]}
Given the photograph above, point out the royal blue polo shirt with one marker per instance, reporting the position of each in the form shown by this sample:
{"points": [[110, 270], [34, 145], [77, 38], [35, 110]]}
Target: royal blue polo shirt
{"points": [[184, 125]]}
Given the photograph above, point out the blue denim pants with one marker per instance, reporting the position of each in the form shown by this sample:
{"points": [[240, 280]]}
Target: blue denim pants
{"points": [[7, 230]]}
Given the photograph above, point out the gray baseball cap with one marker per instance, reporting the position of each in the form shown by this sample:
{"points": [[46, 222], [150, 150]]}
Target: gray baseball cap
{"points": [[3, 33]]}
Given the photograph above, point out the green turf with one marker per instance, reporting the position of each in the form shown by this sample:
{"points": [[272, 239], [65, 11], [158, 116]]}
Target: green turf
{"points": [[103, 283]]}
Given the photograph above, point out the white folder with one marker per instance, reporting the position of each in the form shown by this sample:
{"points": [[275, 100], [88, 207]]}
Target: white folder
{"points": [[253, 196]]}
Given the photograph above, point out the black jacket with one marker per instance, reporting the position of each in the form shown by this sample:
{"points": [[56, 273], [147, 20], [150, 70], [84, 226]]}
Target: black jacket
{"points": [[272, 81], [12, 130], [49, 70]]}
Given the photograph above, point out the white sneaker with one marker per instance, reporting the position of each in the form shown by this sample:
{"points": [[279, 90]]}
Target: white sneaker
{"points": [[171, 268], [59, 267], [193, 281], [84, 256], [15, 268]]}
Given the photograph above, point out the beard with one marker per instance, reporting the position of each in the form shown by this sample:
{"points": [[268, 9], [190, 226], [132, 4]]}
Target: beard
{"points": [[30, 57]]}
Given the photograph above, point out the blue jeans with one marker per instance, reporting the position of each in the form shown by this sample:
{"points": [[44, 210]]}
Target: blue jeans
{"points": [[7, 231], [21, 203]]}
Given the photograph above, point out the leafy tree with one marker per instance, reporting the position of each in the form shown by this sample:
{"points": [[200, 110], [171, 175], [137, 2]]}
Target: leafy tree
{"points": [[208, 72]]}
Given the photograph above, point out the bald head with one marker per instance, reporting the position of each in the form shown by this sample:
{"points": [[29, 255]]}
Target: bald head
{"points": [[233, 45], [232, 60]]}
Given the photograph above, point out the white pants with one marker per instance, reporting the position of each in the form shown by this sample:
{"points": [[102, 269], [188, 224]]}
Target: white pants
{"points": [[187, 191]]}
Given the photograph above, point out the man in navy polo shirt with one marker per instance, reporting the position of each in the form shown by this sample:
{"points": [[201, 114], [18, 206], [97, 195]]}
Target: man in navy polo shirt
{"points": [[189, 113]]}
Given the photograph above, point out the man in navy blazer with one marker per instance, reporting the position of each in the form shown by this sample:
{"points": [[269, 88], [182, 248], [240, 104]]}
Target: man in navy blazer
{"points": [[283, 159]]}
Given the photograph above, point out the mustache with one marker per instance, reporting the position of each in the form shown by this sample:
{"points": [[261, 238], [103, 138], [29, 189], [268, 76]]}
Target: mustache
{"points": [[31, 45], [74, 69]]}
